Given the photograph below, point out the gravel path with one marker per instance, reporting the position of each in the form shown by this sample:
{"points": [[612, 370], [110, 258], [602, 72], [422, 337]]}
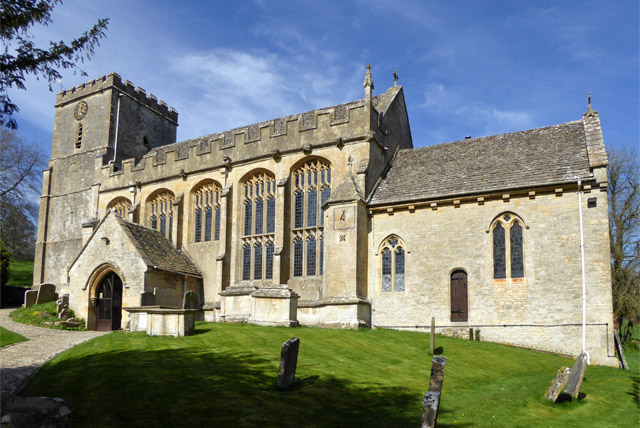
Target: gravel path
{"points": [[20, 361]]}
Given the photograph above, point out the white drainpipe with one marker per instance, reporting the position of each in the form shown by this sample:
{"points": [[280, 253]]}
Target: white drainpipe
{"points": [[373, 280], [584, 278]]}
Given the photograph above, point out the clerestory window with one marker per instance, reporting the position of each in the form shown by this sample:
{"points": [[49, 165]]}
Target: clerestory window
{"points": [[311, 188], [161, 213], [120, 206], [393, 265], [206, 212], [508, 253], [259, 226]]}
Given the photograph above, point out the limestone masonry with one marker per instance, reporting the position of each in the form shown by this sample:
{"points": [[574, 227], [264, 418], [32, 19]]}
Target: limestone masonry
{"points": [[328, 218]]}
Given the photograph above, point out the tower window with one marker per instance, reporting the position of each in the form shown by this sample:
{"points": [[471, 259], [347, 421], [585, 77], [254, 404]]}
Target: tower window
{"points": [[79, 136]]}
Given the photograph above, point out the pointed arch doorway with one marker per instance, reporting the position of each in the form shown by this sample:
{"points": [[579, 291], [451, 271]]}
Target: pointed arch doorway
{"points": [[109, 303]]}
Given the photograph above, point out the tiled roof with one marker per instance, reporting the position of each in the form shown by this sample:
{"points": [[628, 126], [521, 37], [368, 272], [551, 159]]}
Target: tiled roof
{"points": [[158, 251], [536, 157]]}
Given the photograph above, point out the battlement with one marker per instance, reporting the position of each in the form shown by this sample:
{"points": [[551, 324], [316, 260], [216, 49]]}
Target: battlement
{"points": [[113, 80]]}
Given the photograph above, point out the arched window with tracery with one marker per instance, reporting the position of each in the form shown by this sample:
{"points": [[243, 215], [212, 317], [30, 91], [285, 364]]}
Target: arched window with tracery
{"points": [[311, 188], [507, 228], [259, 226], [206, 212], [161, 213], [120, 206], [393, 264]]}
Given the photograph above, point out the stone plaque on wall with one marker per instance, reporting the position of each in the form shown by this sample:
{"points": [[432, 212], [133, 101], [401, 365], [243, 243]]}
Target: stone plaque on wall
{"points": [[344, 218]]}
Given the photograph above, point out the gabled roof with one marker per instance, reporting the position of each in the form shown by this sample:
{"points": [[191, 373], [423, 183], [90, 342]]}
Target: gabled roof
{"points": [[536, 157], [157, 251]]}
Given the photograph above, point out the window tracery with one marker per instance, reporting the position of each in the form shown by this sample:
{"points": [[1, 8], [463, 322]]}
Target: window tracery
{"points": [[311, 187], [258, 228], [393, 265], [161, 213], [120, 206], [508, 258], [206, 212]]}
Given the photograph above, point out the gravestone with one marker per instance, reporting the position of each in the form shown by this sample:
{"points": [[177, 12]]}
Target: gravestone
{"points": [[147, 299], [557, 384], [620, 351], [431, 401], [190, 300], [288, 363], [577, 375], [30, 298], [46, 293], [64, 314]]}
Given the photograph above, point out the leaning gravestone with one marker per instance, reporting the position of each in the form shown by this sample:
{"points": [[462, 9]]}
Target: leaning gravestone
{"points": [[620, 351], [190, 300], [30, 298], [46, 293], [557, 384], [288, 363], [431, 402], [577, 375]]}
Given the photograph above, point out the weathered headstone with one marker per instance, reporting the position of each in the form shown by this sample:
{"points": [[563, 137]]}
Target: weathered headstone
{"points": [[431, 402], [577, 375], [620, 351], [30, 298], [64, 315], [288, 363], [190, 300], [71, 322], [437, 373], [432, 339], [147, 299], [46, 293], [556, 385]]}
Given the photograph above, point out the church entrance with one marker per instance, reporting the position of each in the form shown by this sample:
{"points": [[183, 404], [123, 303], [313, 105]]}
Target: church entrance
{"points": [[109, 303], [459, 300]]}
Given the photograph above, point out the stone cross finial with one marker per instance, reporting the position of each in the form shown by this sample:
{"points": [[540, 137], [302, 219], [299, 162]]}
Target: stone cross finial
{"points": [[368, 83], [590, 112], [395, 78]]}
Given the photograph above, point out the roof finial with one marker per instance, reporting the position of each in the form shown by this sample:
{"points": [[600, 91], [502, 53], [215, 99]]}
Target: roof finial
{"points": [[590, 112], [395, 78], [368, 83]]}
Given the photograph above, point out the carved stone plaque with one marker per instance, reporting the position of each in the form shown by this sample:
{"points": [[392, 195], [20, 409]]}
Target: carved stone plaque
{"points": [[343, 218]]}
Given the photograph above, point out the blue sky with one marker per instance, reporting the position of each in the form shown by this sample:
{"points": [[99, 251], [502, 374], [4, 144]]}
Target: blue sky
{"points": [[468, 67]]}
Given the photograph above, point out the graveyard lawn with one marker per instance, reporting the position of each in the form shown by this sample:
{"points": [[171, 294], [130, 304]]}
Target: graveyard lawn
{"points": [[225, 376], [9, 337], [20, 273]]}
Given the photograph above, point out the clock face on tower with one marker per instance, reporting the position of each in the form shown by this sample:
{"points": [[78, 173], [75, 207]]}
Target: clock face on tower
{"points": [[81, 110]]}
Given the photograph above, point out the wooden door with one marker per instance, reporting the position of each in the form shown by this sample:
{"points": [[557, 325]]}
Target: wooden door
{"points": [[109, 303], [459, 301]]}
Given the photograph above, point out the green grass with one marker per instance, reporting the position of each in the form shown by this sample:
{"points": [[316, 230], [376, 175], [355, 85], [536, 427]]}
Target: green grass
{"points": [[42, 315], [225, 376], [9, 338], [20, 273]]}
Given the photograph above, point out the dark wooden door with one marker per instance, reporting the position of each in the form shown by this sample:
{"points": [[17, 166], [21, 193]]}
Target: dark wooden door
{"points": [[109, 303], [459, 302]]}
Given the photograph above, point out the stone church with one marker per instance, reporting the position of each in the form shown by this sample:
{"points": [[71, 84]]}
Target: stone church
{"points": [[328, 218]]}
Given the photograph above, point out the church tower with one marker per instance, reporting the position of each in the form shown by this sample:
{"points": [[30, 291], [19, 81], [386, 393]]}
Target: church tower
{"points": [[97, 123]]}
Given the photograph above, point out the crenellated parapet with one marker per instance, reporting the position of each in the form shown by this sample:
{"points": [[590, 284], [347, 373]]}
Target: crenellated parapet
{"points": [[113, 80]]}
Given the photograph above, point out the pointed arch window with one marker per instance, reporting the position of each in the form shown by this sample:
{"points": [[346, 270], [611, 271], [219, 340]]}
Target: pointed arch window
{"points": [[258, 226], [206, 207], [393, 265], [311, 184], [507, 229], [120, 206], [161, 213]]}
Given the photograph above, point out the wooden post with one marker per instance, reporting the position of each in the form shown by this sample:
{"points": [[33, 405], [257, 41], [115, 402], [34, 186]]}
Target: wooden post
{"points": [[432, 344]]}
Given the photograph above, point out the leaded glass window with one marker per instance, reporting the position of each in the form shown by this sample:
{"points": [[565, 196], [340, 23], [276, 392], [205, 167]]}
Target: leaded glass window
{"points": [[499, 249], [206, 200], [517, 260], [297, 257], [120, 206], [258, 226], [161, 213], [398, 283], [386, 269], [311, 183], [246, 262], [508, 247], [393, 265]]}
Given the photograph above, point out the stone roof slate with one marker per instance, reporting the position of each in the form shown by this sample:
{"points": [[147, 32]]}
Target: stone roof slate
{"points": [[536, 157], [158, 251]]}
